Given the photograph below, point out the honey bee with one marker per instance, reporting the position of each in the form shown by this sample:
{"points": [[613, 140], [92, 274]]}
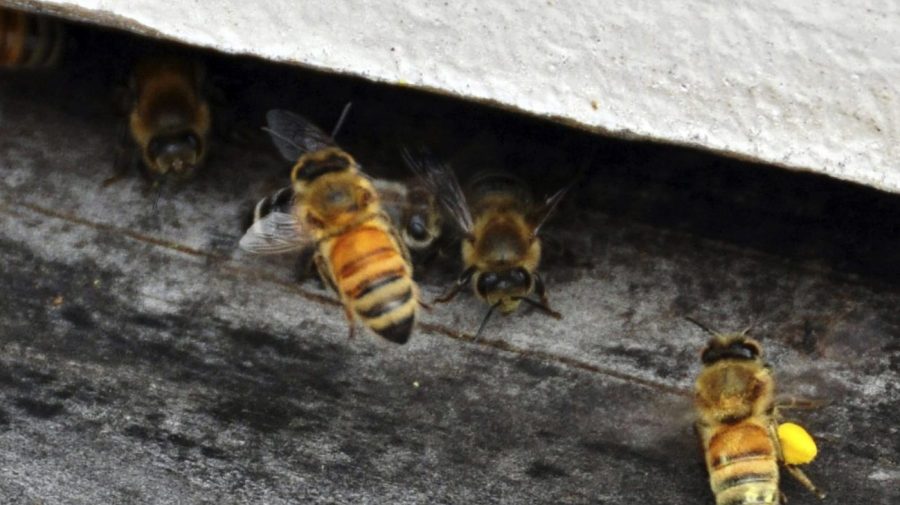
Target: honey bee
{"points": [[30, 40], [412, 209], [333, 206], [737, 423], [168, 122], [501, 223]]}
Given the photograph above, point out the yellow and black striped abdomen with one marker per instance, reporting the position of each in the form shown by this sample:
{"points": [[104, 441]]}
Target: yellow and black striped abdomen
{"points": [[29, 40], [375, 280], [742, 463]]}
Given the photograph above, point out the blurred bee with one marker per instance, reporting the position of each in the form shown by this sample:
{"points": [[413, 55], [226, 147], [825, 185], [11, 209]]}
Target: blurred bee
{"points": [[737, 423], [332, 205], [168, 122], [500, 222], [30, 40], [414, 211]]}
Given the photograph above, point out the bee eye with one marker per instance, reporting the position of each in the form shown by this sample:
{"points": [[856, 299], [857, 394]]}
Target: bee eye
{"points": [[519, 276], [486, 283], [181, 145], [743, 350], [416, 228], [738, 349]]}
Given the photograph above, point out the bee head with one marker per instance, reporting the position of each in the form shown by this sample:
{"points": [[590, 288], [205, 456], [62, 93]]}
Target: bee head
{"points": [[505, 286], [315, 164], [736, 347], [175, 155], [421, 229]]}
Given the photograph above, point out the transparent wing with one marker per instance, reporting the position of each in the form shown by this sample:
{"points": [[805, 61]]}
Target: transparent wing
{"points": [[549, 207], [440, 180], [393, 196], [275, 233], [294, 135]]}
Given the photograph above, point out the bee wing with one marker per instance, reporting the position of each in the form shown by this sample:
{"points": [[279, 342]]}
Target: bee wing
{"points": [[393, 196], [440, 180], [275, 233], [275, 229], [549, 207], [294, 135]]}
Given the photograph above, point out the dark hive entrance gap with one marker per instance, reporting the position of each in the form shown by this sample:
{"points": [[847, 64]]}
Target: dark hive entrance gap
{"points": [[799, 216]]}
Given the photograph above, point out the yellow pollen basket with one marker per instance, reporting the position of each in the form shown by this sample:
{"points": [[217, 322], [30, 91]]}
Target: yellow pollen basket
{"points": [[797, 446]]}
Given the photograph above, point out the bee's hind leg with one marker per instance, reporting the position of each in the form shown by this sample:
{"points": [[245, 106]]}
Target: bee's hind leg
{"points": [[544, 304], [324, 273], [306, 267], [541, 290], [798, 474], [794, 403], [351, 321], [325, 278]]}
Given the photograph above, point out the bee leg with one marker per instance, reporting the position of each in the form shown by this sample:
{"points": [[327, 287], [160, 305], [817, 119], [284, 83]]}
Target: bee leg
{"points": [[798, 474], [153, 188], [794, 403], [419, 300], [352, 322], [451, 294], [126, 159], [305, 266], [540, 305], [461, 282], [324, 275], [540, 289]]}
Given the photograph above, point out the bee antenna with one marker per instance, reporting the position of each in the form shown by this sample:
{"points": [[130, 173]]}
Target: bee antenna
{"points": [[542, 306], [340, 121], [484, 321], [702, 326]]}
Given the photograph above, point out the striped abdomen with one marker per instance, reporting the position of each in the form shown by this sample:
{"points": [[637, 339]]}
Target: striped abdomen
{"points": [[29, 40], [742, 464], [374, 279]]}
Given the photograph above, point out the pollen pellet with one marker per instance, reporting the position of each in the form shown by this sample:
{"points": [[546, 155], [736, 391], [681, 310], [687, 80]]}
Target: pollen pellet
{"points": [[797, 446]]}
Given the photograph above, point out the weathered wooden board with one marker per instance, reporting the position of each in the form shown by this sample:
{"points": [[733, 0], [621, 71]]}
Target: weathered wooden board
{"points": [[144, 360]]}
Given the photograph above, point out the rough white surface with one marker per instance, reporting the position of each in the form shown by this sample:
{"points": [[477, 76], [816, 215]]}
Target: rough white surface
{"points": [[804, 84]]}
